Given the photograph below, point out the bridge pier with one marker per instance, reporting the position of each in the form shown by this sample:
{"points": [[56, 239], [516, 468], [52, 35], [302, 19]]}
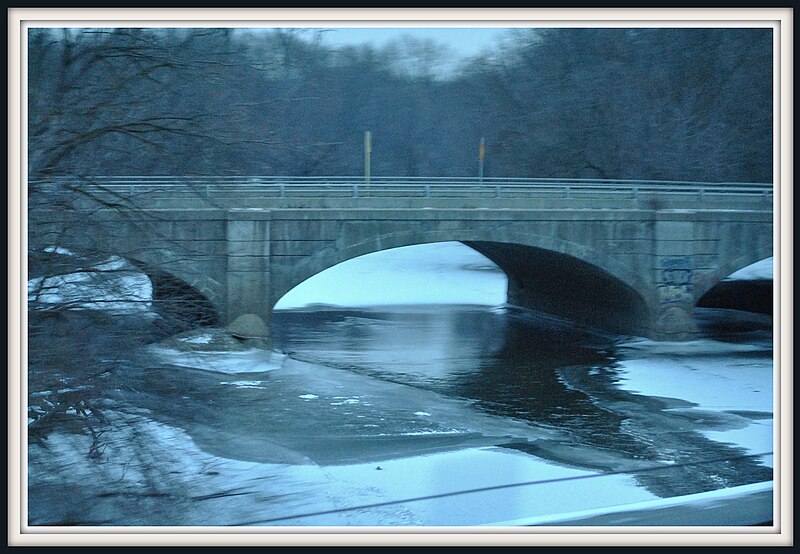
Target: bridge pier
{"points": [[249, 276], [674, 258], [675, 323]]}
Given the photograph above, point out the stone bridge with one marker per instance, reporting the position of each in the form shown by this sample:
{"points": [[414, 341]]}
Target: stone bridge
{"points": [[624, 259]]}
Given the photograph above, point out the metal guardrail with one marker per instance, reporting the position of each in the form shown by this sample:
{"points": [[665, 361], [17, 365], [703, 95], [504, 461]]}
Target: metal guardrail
{"points": [[407, 187]]}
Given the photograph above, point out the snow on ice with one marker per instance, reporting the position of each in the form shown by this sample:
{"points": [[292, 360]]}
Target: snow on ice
{"points": [[112, 285], [436, 273], [763, 270], [253, 360]]}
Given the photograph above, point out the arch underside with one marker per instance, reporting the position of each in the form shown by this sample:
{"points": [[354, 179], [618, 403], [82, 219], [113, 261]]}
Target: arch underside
{"points": [[730, 266], [750, 296], [178, 301], [567, 287], [183, 290], [553, 282], [111, 280]]}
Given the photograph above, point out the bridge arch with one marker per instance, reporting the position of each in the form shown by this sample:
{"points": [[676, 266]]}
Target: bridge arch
{"points": [[181, 244], [183, 304], [585, 268], [726, 267], [109, 271], [171, 276], [755, 296]]}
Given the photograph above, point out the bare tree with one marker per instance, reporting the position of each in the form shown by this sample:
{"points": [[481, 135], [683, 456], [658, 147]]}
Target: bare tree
{"points": [[105, 101], [633, 103]]}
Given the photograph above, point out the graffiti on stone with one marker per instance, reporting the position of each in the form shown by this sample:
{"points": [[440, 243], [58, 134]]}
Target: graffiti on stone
{"points": [[676, 270], [675, 285], [676, 262], [676, 276], [675, 294]]}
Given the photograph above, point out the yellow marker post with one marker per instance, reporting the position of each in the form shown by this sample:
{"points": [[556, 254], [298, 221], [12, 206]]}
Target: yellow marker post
{"points": [[481, 156], [367, 156]]}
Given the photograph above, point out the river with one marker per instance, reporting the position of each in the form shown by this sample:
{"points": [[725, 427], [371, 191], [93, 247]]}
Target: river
{"points": [[413, 413]]}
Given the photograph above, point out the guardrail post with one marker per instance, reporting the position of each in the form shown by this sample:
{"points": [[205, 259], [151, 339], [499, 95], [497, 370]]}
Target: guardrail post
{"points": [[497, 191], [566, 192], [702, 193], [355, 190], [427, 190], [283, 189]]}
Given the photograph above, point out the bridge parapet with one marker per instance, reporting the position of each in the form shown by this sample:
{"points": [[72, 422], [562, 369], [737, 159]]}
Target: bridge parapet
{"points": [[413, 192]]}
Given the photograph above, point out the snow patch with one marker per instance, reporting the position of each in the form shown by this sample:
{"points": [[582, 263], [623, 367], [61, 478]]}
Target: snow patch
{"points": [[423, 433], [690, 348], [756, 438], [254, 360], [205, 339], [308, 396], [711, 381], [245, 384], [347, 401], [107, 286], [763, 270], [721, 385], [114, 263], [711, 498], [485, 468], [59, 250], [436, 273]]}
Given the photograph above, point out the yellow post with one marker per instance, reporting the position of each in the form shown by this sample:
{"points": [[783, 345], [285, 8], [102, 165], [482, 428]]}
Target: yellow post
{"points": [[481, 156], [367, 156]]}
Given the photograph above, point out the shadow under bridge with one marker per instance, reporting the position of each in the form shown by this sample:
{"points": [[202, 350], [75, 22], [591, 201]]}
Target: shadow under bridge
{"points": [[567, 287]]}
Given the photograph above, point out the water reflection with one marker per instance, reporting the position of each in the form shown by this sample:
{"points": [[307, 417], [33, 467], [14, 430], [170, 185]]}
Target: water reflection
{"points": [[528, 367]]}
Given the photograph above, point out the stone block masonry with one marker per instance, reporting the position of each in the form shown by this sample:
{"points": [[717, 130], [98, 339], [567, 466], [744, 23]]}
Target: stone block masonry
{"points": [[633, 271]]}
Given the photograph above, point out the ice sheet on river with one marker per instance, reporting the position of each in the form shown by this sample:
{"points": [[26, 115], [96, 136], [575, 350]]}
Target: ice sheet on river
{"points": [[711, 376], [253, 360], [173, 482]]}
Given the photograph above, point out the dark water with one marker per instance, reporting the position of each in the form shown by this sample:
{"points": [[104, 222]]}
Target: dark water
{"points": [[529, 368], [506, 360]]}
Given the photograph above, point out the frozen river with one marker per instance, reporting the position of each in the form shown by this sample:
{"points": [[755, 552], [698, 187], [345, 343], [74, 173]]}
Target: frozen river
{"points": [[426, 401]]}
